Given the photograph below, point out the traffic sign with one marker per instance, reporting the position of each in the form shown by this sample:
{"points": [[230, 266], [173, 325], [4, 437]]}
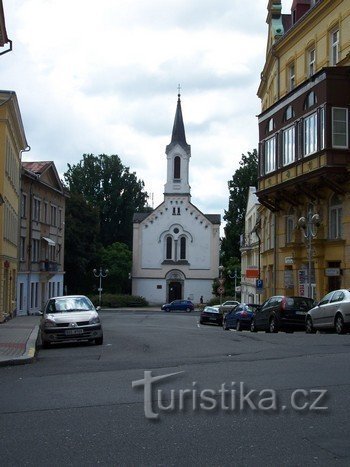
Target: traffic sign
{"points": [[259, 285], [221, 290]]}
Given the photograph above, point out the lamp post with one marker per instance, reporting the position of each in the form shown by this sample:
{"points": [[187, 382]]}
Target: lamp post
{"points": [[309, 225], [235, 277], [100, 274], [221, 289]]}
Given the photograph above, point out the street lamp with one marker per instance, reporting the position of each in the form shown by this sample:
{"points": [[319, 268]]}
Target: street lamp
{"points": [[100, 274], [235, 277], [221, 282], [309, 227]]}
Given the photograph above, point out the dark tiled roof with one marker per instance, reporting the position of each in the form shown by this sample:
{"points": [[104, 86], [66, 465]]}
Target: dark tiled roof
{"points": [[214, 218], [36, 167], [140, 216], [178, 135]]}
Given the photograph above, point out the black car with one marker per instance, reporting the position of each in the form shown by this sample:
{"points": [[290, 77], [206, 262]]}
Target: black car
{"points": [[281, 313], [211, 314]]}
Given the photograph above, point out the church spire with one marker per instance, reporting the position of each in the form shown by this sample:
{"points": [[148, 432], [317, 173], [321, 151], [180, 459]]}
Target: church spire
{"points": [[178, 135]]}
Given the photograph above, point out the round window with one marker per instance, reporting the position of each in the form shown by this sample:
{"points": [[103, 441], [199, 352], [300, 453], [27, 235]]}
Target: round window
{"points": [[176, 230]]}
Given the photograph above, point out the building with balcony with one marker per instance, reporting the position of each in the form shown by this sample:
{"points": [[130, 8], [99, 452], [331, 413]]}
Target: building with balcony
{"points": [[41, 239], [12, 143], [304, 153], [250, 250]]}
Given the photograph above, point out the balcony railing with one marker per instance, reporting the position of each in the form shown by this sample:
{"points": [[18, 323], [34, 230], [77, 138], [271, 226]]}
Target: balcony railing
{"points": [[48, 266]]}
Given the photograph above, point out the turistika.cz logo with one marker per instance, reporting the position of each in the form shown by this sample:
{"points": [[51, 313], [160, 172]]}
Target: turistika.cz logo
{"points": [[232, 397]]}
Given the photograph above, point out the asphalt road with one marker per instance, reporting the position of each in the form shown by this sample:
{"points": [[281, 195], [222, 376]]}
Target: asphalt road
{"points": [[237, 398]]}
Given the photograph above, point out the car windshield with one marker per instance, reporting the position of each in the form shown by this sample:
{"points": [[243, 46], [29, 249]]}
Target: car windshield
{"points": [[64, 305]]}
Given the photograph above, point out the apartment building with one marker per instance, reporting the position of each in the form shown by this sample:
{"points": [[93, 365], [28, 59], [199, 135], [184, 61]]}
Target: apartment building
{"points": [[41, 239], [304, 171]]}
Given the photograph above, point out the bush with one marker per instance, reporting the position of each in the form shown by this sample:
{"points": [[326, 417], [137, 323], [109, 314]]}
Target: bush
{"points": [[117, 301]]}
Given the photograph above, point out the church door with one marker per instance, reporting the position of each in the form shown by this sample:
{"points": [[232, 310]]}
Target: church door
{"points": [[174, 291]]}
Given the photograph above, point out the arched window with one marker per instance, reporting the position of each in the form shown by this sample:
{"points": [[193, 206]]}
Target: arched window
{"points": [[169, 248], [310, 101], [289, 113], [270, 125], [177, 167], [183, 248], [335, 217]]}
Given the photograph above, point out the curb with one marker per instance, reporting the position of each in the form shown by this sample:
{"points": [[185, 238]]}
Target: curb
{"points": [[29, 353]]}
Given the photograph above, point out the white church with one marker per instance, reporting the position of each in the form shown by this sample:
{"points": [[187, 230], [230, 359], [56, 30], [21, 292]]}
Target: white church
{"points": [[175, 247]]}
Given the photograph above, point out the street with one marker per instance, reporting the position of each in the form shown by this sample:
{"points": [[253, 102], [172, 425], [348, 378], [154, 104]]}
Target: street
{"points": [[76, 405]]}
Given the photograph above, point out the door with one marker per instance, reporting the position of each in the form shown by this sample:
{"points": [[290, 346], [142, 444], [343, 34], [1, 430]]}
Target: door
{"points": [[174, 291]]}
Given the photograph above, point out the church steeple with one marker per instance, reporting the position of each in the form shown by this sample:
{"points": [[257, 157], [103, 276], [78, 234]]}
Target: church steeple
{"points": [[178, 135], [178, 155]]}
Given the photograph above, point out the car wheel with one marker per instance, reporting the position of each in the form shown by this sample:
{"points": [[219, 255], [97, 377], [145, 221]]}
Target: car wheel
{"points": [[273, 327], [99, 341], [167, 309], [339, 324], [188, 310], [224, 325], [252, 326], [238, 326], [201, 321], [309, 328]]}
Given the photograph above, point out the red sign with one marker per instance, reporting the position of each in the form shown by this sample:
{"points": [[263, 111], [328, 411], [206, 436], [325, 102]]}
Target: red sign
{"points": [[252, 273]]}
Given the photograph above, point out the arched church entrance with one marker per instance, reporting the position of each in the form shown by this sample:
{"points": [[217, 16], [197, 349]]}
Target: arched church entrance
{"points": [[175, 285]]}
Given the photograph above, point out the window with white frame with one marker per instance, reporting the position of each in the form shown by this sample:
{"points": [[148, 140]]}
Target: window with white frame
{"points": [[311, 62], [54, 215], [335, 217], [36, 209], [270, 154], [289, 145], [35, 250], [339, 127], [322, 129], [310, 134], [291, 71], [334, 58]]}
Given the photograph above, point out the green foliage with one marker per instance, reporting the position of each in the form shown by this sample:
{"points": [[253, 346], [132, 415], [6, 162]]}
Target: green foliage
{"points": [[117, 258], [117, 301], [115, 192], [243, 178], [81, 244]]}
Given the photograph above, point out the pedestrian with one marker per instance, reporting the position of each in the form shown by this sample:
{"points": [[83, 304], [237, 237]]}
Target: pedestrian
{"points": [[201, 300]]}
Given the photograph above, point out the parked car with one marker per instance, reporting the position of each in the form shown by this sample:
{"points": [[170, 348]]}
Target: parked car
{"points": [[228, 306], [211, 314], [281, 313], [70, 318], [240, 317], [180, 305], [332, 312]]}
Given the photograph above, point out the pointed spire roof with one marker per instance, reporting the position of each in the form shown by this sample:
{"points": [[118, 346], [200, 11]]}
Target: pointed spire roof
{"points": [[178, 136]]}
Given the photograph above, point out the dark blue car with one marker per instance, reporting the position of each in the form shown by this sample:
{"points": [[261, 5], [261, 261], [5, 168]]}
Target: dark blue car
{"points": [[240, 317], [181, 305]]}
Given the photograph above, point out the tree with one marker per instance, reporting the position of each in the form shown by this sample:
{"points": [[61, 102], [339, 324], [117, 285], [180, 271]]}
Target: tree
{"points": [[117, 258], [243, 178], [81, 244], [116, 193]]}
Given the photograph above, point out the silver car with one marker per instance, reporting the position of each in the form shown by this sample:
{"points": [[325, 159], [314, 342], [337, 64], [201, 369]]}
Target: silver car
{"points": [[70, 318], [332, 312]]}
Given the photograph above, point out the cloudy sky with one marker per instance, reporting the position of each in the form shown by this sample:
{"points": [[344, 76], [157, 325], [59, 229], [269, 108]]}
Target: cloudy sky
{"points": [[102, 76]]}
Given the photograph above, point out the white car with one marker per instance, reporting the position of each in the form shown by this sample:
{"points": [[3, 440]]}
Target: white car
{"points": [[332, 312], [70, 318]]}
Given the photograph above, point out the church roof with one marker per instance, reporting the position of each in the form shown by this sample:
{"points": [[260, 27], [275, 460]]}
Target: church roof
{"points": [[213, 218], [178, 135], [140, 216]]}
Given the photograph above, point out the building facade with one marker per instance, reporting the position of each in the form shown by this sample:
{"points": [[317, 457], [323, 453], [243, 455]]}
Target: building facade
{"points": [[12, 143], [250, 251], [304, 177], [41, 239], [175, 247]]}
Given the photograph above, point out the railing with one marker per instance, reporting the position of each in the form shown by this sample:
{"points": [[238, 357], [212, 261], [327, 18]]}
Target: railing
{"points": [[48, 266]]}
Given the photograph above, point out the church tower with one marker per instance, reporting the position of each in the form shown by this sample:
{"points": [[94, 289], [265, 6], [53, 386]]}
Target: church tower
{"points": [[178, 154], [175, 247]]}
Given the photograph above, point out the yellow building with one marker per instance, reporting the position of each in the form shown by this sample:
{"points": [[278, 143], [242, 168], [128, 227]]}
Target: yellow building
{"points": [[304, 155], [12, 143]]}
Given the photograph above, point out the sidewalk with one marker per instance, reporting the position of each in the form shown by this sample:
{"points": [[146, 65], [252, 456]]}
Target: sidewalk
{"points": [[18, 338]]}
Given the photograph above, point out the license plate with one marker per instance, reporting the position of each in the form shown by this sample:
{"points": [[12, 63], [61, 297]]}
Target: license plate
{"points": [[72, 332], [300, 312]]}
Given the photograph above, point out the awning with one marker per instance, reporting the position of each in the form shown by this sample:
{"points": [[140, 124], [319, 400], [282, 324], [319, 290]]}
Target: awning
{"points": [[48, 240]]}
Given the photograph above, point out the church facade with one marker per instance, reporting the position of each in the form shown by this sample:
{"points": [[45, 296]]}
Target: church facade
{"points": [[175, 247]]}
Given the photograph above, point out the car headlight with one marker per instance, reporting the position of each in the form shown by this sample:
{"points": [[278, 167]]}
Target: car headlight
{"points": [[95, 320], [48, 323]]}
